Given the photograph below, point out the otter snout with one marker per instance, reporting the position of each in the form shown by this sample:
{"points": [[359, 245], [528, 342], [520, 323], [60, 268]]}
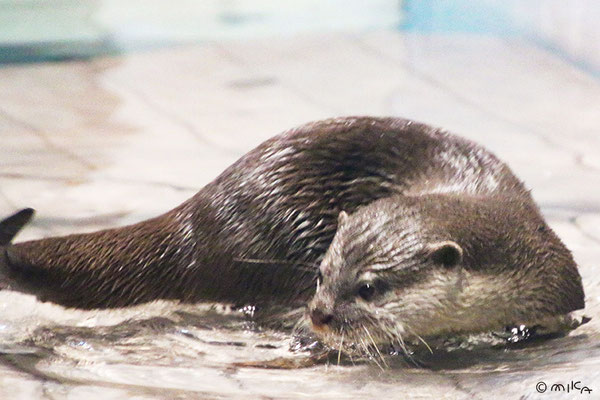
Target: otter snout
{"points": [[319, 318], [320, 312]]}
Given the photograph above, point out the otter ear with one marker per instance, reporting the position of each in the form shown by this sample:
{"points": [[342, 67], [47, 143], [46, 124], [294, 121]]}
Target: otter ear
{"points": [[446, 253], [342, 217]]}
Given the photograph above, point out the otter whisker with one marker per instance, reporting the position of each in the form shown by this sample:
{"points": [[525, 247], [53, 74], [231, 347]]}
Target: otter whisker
{"points": [[375, 346], [401, 342], [351, 359], [370, 354], [340, 349], [404, 348], [424, 342]]}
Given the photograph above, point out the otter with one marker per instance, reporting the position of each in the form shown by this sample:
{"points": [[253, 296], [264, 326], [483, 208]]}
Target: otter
{"points": [[387, 224], [407, 267]]}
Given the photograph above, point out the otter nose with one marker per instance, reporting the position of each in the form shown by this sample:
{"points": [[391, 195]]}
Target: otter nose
{"points": [[319, 318]]}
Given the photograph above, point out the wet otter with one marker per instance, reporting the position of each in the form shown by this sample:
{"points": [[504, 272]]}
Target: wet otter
{"points": [[438, 226], [409, 266]]}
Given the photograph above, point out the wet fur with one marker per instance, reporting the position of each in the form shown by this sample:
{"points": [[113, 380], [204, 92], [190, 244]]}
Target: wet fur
{"points": [[280, 202], [512, 269]]}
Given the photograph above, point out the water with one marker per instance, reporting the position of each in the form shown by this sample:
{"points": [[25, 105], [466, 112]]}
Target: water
{"points": [[168, 351]]}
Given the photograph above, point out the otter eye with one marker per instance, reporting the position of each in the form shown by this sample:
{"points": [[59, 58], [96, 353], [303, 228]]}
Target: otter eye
{"points": [[366, 291]]}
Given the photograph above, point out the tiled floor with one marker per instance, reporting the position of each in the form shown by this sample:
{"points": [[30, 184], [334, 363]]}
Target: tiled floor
{"points": [[116, 140]]}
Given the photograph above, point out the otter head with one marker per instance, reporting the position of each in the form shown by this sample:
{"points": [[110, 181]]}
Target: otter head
{"points": [[405, 268]]}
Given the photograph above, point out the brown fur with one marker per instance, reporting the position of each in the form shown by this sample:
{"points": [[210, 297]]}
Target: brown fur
{"points": [[279, 203], [432, 271]]}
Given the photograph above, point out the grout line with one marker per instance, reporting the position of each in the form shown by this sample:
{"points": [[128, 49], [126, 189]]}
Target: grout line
{"points": [[67, 179], [8, 201], [295, 90], [174, 118], [47, 142], [555, 50], [574, 221], [465, 100]]}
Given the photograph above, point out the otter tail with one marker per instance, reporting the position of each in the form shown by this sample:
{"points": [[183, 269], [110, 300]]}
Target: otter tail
{"points": [[9, 227]]}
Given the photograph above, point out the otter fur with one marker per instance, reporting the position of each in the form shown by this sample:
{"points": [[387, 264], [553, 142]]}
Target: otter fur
{"points": [[416, 203]]}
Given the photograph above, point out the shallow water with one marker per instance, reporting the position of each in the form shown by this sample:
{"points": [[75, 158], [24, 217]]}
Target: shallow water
{"points": [[165, 350]]}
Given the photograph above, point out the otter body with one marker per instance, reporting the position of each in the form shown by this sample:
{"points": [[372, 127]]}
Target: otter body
{"points": [[259, 231]]}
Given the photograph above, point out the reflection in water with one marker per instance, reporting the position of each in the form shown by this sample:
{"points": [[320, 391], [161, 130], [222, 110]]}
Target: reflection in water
{"points": [[216, 351]]}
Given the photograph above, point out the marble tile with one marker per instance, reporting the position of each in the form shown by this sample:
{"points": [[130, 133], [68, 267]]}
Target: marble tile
{"points": [[590, 226], [507, 102]]}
